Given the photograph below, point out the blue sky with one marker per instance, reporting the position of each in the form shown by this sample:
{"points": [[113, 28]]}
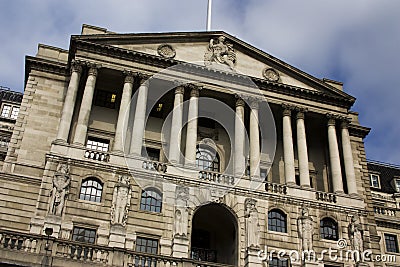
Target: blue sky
{"points": [[356, 42]]}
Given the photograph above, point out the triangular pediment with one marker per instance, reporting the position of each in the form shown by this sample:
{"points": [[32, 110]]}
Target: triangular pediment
{"points": [[195, 47]]}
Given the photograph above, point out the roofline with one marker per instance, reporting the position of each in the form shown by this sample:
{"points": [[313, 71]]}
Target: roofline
{"points": [[204, 34], [383, 164]]}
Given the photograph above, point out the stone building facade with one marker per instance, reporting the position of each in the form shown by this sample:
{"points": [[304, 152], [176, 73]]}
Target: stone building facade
{"points": [[182, 149]]}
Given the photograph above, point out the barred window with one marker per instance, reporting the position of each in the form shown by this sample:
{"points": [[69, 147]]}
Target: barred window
{"points": [[151, 200], [207, 159], [277, 221], [329, 229], [85, 235], [275, 262], [5, 112], [91, 190], [391, 243]]}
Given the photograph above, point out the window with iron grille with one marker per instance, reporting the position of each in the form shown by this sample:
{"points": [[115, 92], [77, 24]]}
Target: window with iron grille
{"points": [[91, 190], [151, 200], [391, 243], [277, 221], [329, 229], [105, 99], [85, 235]]}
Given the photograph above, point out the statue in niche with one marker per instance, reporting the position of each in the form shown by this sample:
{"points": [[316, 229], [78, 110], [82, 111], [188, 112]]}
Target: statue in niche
{"points": [[181, 211], [252, 225], [61, 183], [305, 225], [220, 52], [121, 201], [356, 234]]}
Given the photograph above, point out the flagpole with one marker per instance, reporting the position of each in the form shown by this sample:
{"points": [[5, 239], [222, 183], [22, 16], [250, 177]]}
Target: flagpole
{"points": [[209, 15]]}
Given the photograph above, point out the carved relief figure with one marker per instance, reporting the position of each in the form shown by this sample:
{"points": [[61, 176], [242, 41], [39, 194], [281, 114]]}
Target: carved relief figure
{"points": [[221, 52], [181, 211], [306, 229], [61, 182], [355, 234], [252, 225], [121, 201]]}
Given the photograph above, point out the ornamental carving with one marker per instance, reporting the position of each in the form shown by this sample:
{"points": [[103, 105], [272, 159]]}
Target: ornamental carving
{"points": [[305, 225], [61, 183], [121, 201], [252, 224], [270, 74], [221, 52], [166, 51]]}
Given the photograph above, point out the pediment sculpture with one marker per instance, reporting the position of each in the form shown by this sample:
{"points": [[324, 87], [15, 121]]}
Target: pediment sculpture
{"points": [[221, 52]]}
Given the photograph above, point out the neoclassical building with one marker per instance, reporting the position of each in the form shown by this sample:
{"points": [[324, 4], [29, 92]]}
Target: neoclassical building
{"points": [[182, 149]]}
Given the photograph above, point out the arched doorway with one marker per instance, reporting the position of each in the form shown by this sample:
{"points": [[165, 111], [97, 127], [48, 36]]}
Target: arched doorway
{"points": [[214, 235]]}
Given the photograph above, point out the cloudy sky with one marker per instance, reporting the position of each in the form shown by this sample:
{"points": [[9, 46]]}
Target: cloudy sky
{"points": [[356, 42]]}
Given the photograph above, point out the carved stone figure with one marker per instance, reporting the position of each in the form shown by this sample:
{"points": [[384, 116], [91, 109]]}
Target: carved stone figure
{"points": [[121, 201], [221, 52], [252, 225], [305, 225], [61, 182], [181, 211], [356, 234]]}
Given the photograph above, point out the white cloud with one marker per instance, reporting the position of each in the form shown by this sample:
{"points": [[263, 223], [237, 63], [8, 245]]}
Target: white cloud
{"points": [[353, 41]]}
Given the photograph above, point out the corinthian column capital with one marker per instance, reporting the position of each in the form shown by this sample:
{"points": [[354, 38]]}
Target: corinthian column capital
{"points": [[129, 76], [194, 89], [76, 66]]}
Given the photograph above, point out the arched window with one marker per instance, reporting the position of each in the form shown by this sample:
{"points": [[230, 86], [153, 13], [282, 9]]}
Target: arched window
{"points": [[91, 190], [151, 200], [207, 159], [277, 221], [329, 229]]}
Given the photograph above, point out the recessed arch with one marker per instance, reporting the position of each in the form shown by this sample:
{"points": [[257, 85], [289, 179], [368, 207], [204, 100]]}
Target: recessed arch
{"points": [[214, 235]]}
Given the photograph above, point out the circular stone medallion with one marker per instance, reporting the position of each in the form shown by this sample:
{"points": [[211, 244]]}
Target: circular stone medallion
{"points": [[271, 74], [166, 50]]}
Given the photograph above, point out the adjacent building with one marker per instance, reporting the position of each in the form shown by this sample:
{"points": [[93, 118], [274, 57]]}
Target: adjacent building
{"points": [[183, 149]]}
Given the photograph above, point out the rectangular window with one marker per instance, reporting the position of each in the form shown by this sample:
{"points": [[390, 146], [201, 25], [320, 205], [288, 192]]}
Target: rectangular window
{"points": [[105, 99], [146, 245], [151, 153], [397, 183], [263, 174], [99, 144], [5, 112], [391, 243], [14, 113], [275, 262], [374, 180], [85, 235]]}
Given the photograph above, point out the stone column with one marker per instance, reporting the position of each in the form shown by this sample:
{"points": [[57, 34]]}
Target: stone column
{"points": [[86, 106], [348, 159], [254, 140], [176, 126], [139, 122], [240, 159], [122, 122], [334, 158], [191, 129], [288, 153], [69, 102], [302, 149]]}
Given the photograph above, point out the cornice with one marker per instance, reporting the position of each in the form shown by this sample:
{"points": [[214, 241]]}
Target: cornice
{"points": [[157, 61], [205, 36], [45, 65], [358, 130]]}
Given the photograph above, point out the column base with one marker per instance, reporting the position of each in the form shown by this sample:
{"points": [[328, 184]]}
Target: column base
{"points": [[305, 186], [60, 141]]}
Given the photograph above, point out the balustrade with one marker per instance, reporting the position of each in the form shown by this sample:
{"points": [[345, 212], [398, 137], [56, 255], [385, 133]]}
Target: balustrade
{"points": [[154, 166], [326, 197], [275, 188], [217, 177]]}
